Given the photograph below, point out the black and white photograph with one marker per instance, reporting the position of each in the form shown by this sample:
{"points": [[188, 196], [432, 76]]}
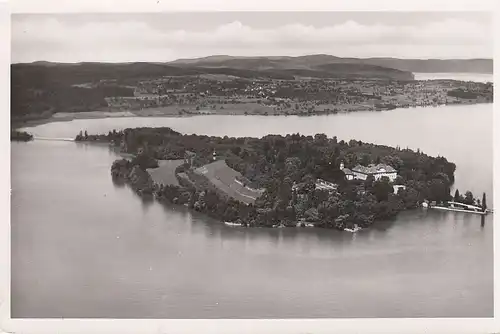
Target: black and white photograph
{"points": [[252, 165]]}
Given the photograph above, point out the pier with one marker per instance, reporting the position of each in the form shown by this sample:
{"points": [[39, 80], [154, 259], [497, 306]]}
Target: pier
{"points": [[52, 139], [461, 207]]}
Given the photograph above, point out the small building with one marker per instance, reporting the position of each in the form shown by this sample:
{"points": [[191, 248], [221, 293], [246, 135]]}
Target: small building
{"points": [[189, 157], [397, 187], [325, 185], [378, 171], [348, 173]]}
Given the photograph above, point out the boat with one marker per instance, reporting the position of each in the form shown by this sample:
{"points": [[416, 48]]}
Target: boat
{"points": [[353, 230], [232, 224]]}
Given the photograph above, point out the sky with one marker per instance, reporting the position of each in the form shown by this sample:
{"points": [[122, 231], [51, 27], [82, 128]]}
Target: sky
{"points": [[161, 37]]}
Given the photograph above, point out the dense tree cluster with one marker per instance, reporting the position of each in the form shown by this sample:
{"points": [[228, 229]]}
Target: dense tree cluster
{"points": [[16, 135], [52, 98], [287, 167], [464, 94], [469, 199]]}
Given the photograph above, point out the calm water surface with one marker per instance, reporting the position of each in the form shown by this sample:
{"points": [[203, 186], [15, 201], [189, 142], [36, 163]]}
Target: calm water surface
{"points": [[83, 247], [478, 77]]}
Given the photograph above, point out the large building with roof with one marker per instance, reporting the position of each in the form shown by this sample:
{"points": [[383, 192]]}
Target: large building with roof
{"points": [[378, 171]]}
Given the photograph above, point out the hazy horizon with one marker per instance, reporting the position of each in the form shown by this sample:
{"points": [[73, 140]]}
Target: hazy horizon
{"points": [[165, 37], [222, 55]]}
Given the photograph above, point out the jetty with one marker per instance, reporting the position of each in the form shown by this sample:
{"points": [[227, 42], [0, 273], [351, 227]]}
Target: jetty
{"points": [[461, 207], [52, 139]]}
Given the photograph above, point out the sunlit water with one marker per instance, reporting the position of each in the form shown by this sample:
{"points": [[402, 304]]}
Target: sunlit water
{"points": [[83, 247], [477, 77]]}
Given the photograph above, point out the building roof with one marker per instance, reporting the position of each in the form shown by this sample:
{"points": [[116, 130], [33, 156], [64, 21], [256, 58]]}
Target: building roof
{"points": [[347, 171], [374, 169], [325, 185]]}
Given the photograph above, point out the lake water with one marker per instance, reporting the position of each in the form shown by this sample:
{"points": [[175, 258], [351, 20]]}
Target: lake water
{"points": [[83, 247], [478, 77]]}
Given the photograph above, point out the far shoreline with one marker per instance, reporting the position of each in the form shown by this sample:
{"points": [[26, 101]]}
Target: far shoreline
{"points": [[87, 115]]}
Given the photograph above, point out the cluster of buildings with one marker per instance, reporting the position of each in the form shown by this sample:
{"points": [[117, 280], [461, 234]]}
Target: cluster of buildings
{"points": [[295, 96], [376, 170]]}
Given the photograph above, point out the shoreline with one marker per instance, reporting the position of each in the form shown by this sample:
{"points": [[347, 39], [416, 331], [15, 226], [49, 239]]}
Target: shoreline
{"points": [[213, 184], [482, 213], [86, 115]]}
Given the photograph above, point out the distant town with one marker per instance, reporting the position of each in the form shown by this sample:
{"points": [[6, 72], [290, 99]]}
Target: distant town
{"points": [[211, 94], [304, 86]]}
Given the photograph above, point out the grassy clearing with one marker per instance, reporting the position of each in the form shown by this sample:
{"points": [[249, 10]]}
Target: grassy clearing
{"points": [[225, 179], [165, 173]]}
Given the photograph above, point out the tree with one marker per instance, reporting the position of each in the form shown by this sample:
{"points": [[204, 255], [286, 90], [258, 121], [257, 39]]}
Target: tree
{"points": [[456, 198], [365, 159], [410, 197], [368, 183], [236, 150], [483, 204], [399, 180], [469, 198], [382, 189]]}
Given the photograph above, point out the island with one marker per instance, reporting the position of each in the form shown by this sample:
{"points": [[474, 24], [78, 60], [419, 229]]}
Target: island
{"points": [[279, 181], [302, 86]]}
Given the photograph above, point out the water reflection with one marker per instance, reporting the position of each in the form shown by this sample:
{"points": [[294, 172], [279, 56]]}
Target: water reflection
{"points": [[118, 183], [146, 203]]}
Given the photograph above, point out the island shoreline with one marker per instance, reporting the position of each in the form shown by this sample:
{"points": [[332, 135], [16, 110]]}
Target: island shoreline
{"points": [[283, 200]]}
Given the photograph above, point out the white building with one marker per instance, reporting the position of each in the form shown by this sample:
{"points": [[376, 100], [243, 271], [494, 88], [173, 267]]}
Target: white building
{"points": [[378, 171], [348, 173], [397, 187], [325, 185]]}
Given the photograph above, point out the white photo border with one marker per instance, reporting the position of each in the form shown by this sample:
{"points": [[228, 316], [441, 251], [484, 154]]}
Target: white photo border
{"points": [[427, 325]]}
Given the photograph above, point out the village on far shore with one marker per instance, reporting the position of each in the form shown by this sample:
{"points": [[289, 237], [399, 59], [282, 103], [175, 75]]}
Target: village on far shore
{"points": [[178, 90], [220, 94]]}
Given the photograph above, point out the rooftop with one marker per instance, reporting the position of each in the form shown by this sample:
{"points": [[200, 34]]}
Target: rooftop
{"points": [[374, 169], [347, 171]]}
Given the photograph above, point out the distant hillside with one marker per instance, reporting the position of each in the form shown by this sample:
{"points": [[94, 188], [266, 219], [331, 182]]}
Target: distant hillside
{"points": [[312, 61], [315, 66], [284, 68]]}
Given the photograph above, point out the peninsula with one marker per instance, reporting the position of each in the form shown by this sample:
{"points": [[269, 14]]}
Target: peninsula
{"points": [[279, 181]]}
